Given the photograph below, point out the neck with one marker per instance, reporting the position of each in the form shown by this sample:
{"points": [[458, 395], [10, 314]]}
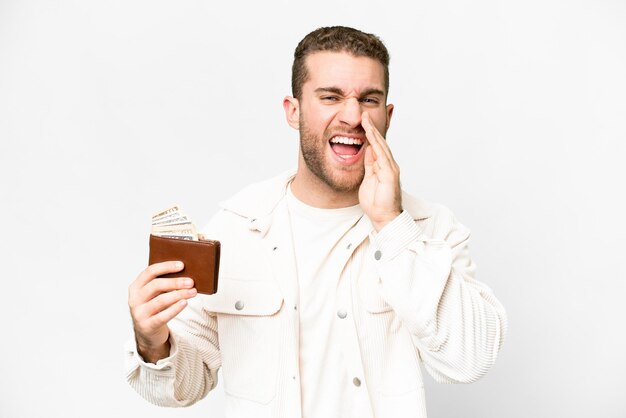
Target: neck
{"points": [[309, 189]]}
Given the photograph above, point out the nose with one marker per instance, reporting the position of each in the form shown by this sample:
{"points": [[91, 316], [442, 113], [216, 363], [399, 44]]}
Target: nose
{"points": [[350, 113]]}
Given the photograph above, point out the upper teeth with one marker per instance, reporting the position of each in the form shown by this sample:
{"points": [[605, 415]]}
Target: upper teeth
{"points": [[346, 140]]}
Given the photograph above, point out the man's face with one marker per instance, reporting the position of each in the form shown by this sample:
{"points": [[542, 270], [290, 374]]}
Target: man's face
{"points": [[340, 87]]}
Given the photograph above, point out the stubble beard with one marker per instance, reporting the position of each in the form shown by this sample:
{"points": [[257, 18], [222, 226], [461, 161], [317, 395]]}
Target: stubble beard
{"points": [[313, 148]]}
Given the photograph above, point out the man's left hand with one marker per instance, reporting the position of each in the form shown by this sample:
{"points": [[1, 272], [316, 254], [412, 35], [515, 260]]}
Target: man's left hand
{"points": [[380, 193]]}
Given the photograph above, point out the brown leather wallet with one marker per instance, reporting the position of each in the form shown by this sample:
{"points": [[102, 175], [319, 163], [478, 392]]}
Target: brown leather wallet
{"points": [[201, 259]]}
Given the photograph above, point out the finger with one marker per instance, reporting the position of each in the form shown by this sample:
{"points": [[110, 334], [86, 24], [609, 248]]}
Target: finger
{"points": [[164, 301], [163, 285], [368, 161], [378, 136], [373, 135], [381, 156], [166, 315], [157, 269]]}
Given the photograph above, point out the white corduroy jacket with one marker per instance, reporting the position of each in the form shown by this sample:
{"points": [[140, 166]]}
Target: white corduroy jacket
{"points": [[409, 293]]}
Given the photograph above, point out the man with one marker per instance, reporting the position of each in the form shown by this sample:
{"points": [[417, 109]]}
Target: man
{"points": [[334, 285]]}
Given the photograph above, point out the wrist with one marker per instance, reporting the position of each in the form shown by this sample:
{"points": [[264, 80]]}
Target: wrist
{"points": [[152, 352], [380, 223]]}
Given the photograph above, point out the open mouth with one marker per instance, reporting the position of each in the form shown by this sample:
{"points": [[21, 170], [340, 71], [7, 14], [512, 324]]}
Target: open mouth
{"points": [[345, 147]]}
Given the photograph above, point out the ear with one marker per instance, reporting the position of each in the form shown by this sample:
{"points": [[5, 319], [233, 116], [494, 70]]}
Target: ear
{"points": [[292, 111], [389, 113]]}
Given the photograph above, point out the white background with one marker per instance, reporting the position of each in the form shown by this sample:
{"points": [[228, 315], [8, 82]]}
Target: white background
{"points": [[512, 113]]}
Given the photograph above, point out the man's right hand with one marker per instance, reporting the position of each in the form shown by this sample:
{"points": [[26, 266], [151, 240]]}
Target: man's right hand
{"points": [[153, 302]]}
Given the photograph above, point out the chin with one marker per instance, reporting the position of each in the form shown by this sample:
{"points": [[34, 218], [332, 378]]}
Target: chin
{"points": [[345, 181]]}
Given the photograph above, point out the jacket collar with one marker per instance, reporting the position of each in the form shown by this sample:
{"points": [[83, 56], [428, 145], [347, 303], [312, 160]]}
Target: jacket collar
{"points": [[257, 201]]}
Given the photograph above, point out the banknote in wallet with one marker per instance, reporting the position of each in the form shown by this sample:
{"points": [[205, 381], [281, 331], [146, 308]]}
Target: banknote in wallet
{"points": [[174, 238]]}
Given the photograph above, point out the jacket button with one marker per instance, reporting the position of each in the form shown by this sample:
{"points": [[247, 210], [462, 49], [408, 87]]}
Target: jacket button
{"points": [[239, 305], [342, 313], [356, 381], [378, 254]]}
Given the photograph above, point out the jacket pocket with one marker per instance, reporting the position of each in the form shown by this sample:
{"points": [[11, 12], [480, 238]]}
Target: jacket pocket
{"points": [[249, 335], [372, 298], [374, 303], [396, 370]]}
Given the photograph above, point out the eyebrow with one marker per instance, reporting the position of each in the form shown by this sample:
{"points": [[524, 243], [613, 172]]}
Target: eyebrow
{"points": [[367, 92]]}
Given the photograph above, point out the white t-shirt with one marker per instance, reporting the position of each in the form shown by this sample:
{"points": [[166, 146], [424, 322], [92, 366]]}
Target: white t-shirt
{"points": [[316, 233]]}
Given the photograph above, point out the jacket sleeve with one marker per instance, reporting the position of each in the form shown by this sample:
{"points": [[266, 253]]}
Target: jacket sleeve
{"points": [[190, 372], [456, 322]]}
